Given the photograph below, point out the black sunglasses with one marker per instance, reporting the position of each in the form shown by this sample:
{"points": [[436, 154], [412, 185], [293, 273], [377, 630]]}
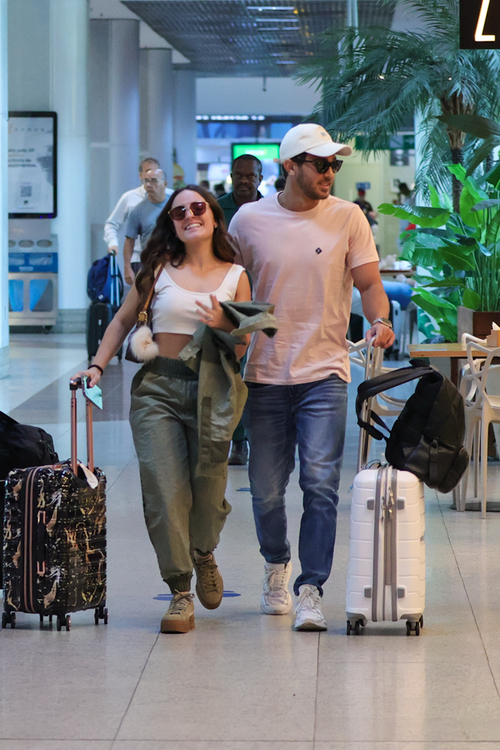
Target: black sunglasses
{"points": [[197, 208], [323, 165]]}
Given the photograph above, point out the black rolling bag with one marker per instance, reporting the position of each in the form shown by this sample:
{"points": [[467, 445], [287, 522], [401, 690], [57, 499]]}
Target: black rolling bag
{"points": [[103, 308], [55, 537]]}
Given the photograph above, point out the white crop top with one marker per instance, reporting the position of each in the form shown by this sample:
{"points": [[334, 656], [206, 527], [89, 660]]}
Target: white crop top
{"points": [[174, 308]]}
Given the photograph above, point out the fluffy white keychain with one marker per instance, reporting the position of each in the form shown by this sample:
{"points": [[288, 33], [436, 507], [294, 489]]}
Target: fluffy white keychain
{"points": [[142, 344]]}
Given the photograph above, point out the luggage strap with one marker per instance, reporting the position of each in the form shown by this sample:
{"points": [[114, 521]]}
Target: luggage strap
{"points": [[376, 542]]}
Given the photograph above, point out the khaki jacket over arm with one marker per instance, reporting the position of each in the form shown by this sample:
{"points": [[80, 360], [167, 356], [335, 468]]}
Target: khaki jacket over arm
{"points": [[221, 390]]}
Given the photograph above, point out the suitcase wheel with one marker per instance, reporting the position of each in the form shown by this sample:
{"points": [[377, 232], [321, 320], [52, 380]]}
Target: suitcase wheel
{"points": [[101, 613], [8, 618], [414, 627], [356, 627], [63, 621]]}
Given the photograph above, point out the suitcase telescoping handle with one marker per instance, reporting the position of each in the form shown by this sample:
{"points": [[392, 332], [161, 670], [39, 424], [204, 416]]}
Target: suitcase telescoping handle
{"points": [[74, 385]]}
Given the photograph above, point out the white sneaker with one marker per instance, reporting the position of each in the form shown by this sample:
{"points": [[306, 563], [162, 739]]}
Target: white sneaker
{"points": [[308, 614], [276, 599]]}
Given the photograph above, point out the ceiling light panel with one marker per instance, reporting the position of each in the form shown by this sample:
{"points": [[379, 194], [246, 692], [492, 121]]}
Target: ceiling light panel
{"points": [[239, 37]]}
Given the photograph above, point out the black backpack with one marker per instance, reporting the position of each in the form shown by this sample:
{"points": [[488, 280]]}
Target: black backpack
{"points": [[427, 438], [23, 446]]}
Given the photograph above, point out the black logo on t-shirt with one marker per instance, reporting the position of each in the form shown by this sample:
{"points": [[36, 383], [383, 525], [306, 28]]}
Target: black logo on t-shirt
{"points": [[319, 250]]}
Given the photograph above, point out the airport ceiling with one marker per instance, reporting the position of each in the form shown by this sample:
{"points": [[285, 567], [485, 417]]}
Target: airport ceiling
{"points": [[250, 37]]}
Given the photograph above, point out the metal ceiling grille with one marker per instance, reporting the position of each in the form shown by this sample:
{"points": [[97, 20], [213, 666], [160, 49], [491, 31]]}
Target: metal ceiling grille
{"points": [[250, 37]]}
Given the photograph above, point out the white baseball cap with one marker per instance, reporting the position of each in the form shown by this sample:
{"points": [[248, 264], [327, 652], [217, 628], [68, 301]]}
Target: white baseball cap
{"points": [[312, 139]]}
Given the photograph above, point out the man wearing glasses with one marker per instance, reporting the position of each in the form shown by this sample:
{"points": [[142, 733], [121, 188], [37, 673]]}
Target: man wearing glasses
{"points": [[304, 249], [121, 211], [142, 220]]}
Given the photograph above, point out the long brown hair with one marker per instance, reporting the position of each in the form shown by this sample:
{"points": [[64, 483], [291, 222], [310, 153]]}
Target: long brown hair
{"points": [[165, 247]]}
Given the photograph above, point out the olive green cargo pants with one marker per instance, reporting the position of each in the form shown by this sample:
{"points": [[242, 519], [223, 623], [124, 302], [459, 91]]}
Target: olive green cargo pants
{"points": [[183, 511]]}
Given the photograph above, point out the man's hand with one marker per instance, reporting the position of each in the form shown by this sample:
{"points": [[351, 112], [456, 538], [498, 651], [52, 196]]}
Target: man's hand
{"points": [[381, 334], [129, 275], [113, 250]]}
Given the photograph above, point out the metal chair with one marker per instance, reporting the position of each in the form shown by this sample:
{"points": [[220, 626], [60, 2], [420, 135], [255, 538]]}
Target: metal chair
{"points": [[370, 358], [482, 406]]}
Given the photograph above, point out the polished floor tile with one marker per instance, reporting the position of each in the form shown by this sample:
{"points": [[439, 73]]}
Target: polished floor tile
{"points": [[242, 680], [38, 744], [374, 745], [207, 745]]}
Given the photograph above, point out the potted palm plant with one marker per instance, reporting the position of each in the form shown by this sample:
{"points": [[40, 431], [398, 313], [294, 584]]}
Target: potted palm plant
{"points": [[457, 254], [374, 79]]}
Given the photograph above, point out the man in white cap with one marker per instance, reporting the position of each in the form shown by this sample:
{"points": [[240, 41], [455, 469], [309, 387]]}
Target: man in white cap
{"points": [[304, 248]]}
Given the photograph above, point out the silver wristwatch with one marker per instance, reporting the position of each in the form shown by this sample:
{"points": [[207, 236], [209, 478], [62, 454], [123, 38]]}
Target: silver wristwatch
{"points": [[385, 321]]}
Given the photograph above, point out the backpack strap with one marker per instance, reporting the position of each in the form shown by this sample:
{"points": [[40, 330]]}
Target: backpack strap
{"points": [[370, 388]]}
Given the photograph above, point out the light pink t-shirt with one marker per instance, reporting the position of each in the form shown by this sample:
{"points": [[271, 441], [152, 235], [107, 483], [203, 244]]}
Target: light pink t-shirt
{"points": [[301, 261]]}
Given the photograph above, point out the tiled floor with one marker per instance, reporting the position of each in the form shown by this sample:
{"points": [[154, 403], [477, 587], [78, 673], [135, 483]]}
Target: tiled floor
{"points": [[241, 680]]}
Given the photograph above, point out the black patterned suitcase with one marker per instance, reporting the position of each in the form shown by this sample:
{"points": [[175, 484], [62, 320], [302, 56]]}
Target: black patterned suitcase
{"points": [[55, 536]]}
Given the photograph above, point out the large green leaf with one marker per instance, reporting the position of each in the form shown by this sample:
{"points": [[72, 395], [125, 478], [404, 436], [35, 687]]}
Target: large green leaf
{"points": [[443, 312], [486, 251], [449, 282], [482, 153], [456, 261], [493, 177], [472, 299], [439, 200], [489, 203], [430, 273], [493, 229], [479, 127], [440, 304], [463, 249], [421, 215], [459, 171], [471, 196], [428, 240]]}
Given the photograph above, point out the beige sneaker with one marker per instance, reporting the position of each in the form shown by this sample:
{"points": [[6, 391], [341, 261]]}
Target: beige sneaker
{"points": [[209, 584], [179, 617]]}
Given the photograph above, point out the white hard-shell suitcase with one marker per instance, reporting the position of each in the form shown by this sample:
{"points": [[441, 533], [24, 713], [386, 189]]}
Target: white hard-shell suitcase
{"points": [[386, 573]]}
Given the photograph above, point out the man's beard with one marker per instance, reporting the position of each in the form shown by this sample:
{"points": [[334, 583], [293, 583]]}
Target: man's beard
{"points": [[310, 191]]}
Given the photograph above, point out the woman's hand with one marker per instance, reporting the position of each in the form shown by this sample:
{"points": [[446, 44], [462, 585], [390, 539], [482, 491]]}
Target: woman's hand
{"points": [[214, 316], [92, 376]]}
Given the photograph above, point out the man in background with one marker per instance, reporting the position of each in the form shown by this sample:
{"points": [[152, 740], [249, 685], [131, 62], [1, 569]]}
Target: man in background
{"points": [[246, 176], [366, 207], [121, 211], [142, 220]]}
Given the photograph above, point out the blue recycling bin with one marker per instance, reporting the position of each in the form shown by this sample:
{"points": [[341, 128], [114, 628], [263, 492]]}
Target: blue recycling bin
{"points": [[33, 288]]}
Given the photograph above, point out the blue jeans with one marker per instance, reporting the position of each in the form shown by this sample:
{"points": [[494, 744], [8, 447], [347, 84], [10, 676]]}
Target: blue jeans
{"points": [[276, 419]]}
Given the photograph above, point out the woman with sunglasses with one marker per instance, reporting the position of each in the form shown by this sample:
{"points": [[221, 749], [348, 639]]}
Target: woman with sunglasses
{"points": [[191, 258]]}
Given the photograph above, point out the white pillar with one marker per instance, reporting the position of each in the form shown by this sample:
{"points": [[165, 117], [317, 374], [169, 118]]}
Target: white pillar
{"points": [[123, 107], [69, 36], [157, 106], [4, 257], [185, 122]]}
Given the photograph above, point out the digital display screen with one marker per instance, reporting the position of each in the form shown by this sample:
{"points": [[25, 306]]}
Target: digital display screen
{"points": [[32, 165], [263, 151]]}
